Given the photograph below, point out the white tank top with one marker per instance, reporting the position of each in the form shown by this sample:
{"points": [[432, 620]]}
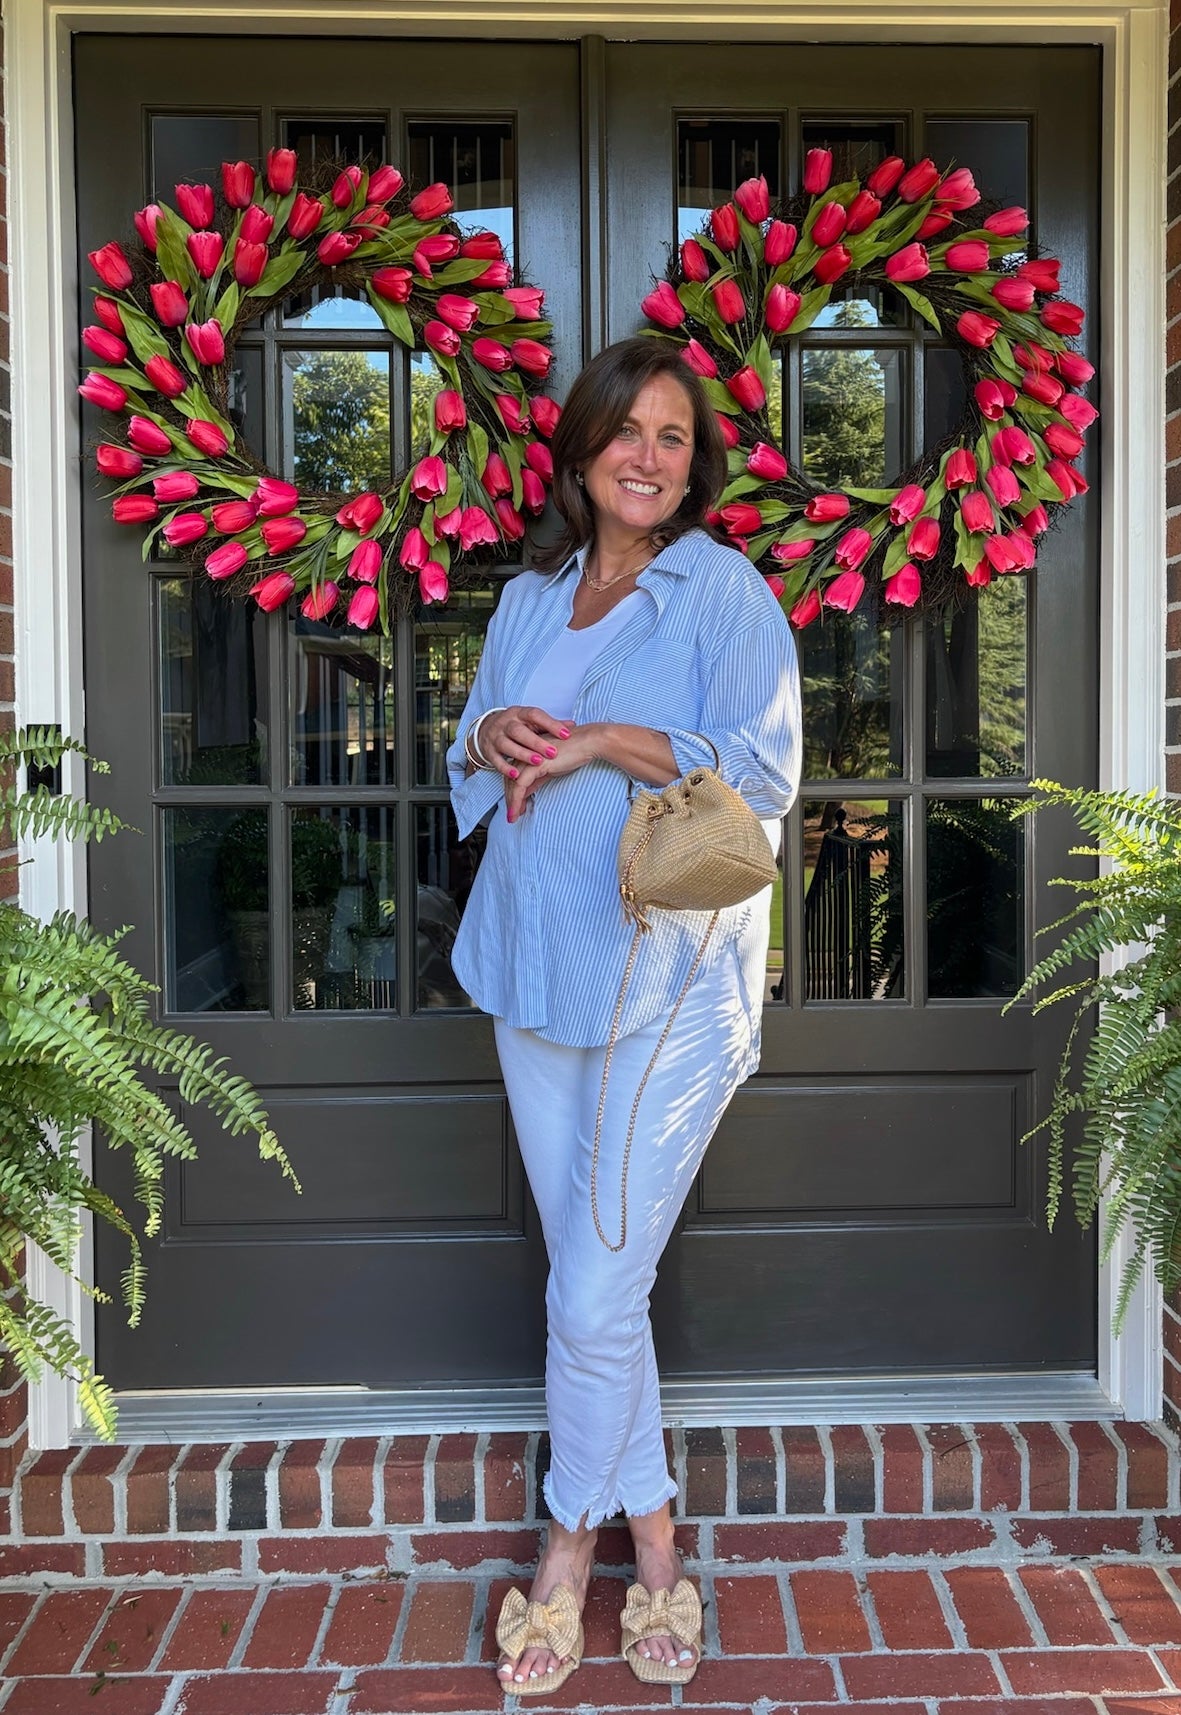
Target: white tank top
{"points": [[557, 678]]}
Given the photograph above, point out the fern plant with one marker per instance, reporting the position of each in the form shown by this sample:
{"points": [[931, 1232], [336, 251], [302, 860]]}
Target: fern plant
{"points": [[76, 1036], [1127, 1083]]}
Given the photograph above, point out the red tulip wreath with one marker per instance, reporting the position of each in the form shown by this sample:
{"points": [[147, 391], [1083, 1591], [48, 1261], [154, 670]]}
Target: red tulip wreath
{"points": [[168, 318], [973, 506]]}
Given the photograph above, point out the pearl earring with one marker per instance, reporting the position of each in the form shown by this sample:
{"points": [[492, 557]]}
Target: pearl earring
{"points": [[578, 477]]}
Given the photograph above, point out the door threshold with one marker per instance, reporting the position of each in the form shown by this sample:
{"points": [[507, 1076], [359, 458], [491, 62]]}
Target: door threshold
{"points": [[277, 1414]]}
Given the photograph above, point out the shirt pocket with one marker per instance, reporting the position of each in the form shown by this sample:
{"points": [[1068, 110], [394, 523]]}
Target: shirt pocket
{"points": [[657, 686]]}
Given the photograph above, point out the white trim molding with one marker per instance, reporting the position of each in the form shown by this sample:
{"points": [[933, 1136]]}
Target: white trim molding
{"points": [[47, 483]]}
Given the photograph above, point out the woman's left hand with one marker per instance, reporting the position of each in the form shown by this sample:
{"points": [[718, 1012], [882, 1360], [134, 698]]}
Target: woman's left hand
{"points": [[582, 746]]}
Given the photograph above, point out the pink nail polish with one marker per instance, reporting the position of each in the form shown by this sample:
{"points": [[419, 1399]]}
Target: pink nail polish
{"points": [[512, 773], [550, 751], [535, 759], [563, 733]]}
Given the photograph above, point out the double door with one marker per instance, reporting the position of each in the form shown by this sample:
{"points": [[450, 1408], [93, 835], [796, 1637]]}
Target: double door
{"points": [[867, 1207]]}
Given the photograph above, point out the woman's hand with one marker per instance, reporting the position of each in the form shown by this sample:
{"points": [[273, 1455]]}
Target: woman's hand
{"points": [[642, 752], [518, 737], [582, 744]]}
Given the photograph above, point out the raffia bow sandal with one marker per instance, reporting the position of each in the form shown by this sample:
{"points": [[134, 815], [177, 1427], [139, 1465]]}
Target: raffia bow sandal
{"points": [[554, 1625], [664, 1613]]}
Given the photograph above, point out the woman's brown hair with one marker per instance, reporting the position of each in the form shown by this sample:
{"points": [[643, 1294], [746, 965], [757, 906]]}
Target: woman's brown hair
{"points": [[597, 406]]}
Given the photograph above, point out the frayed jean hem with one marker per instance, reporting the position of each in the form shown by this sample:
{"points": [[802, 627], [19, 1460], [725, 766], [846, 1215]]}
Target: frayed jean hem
{"points": [[595, 1516]]}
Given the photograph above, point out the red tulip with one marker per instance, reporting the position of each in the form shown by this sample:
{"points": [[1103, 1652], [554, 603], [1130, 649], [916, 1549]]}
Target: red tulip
{"points": [[829, 224], [766, 462], [230, 517], [844, 591], [429, 478], [450, 523], [117, 462], [134, 509], [779, 243], [205, 248], [1033, 356], [806, 610], [104, 344], [1063, 317], [281, 169], [361, 514], [273, 590], [754, 200], [545, 413], [827, 508], [957, 190], [195, 203], [977, 329], [186, 527], [727, 429], [1004, 485], [740, 518], [364, 608], [305, 216], [476, 529], [923, 541], [747, 389], [170, 304], [907, 503], [852, 548], [223, 562], [432, 580], [451, 412], [775, 584], [886, 175], [728, 301], [960, 470], [491, 355], [415, 550], [1063, 476], [495, 276], [175, 485], [459, 313], [723, 223], [512, 525], [319, 603], [533, 357], [206, 341], [146, 221], [919, 181], [1009, 553], [365, 562], [699, 360], [345, 185], [789, 552], [979, 575], [250, 262], [336, 247], [482, 246], [969, 256], [905, 587], [443, 339], [831, 264], [989, 399], [442, 247], [274, 498], [111, 266], [147, 437], [532, 491], [1035, 521], [1013, 446], [1042, 272], [1007, 222], [1013, 293], [1045, 388], [694, 262], [781, 309], [934, 223], [283, 534], [1079, 412], [527, 301], [862, 212], [432, 203], [976, 512], [237, 183], [393, 284], [909, 263], [817, 171], [256, 225], [106, 394], [1074, 368], [541, 460], [207, 437], [384, 184], [372, 218], [110, 315], [663, 307]]}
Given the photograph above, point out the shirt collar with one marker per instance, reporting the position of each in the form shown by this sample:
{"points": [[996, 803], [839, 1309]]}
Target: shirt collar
{"points": [[675, 559]]}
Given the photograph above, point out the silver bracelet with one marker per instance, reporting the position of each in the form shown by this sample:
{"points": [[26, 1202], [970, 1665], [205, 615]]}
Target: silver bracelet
{"points": [[471, 739]]}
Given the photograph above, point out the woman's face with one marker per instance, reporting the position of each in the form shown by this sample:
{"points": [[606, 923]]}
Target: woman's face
{"points": [[639, 478]]}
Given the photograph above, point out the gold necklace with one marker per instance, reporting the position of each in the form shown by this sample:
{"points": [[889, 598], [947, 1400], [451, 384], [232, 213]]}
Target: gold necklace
{"points": [[632, 573]]}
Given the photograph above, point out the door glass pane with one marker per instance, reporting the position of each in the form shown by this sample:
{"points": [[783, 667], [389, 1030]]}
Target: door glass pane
{"points": [[331, 307], [213, 685], [447, 647], [975, 898], [852, 676], [976, 667], [336, 419], [316, 141], [853, 910], [714, 156], [343, 947], [856, 150], [852, 415], [997, 151], [216, 900], [341, 698], [945, 393], [426, 379], [188, 148], [446, 869], [246, 403], [775, 987], [479, 163]]}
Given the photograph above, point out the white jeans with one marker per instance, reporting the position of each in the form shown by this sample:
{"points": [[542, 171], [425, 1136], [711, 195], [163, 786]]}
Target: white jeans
{"points": [[601, 1386]]}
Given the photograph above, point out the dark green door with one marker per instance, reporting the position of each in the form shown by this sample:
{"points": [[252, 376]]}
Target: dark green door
{"points": [[867, 1207]]}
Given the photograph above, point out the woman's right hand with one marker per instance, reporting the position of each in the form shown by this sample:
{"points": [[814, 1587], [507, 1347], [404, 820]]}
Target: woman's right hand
{"points": [[520, 737]]}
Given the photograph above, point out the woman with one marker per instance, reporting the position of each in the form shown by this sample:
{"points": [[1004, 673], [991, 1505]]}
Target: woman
{"points": [[637, 647]]}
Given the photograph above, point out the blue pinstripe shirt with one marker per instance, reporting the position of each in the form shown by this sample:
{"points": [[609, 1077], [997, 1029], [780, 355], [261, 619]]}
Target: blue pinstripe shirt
{"points": [[543, 940]]}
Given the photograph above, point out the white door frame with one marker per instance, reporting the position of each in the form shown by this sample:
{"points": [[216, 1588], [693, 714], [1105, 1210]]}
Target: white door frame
{"points": [[47, 480]]}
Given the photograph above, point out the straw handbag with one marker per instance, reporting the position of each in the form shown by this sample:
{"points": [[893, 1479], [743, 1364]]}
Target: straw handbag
{"points": [[694, 846]]}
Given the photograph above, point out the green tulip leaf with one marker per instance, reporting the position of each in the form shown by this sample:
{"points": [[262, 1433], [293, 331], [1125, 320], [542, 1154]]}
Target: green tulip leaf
{"points": [[875, 496], [226, 311], [918, 301], [811, 305], [124, 377], [144, 334], [741, 485], [279, 272], [896, 554], [494, 309], [720, 397], [174, 260], [477, 440], [395, 317], [759, 544]]}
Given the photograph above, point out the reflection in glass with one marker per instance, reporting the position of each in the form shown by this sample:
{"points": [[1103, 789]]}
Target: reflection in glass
{"points": [[775, 402], [856, 148], [216, 898], [945, 393], [976, 660], [447, 646], [341, 688], [869, 308], [188, 148], [997, 150], [975, 898], [446, 869], [245, 400], [775, 986], [317, 141], [853, 913], [478, 161], [336, 419], [343, 945], [331, 307], [851, 672], [426, 379], [213, 675], [853, 417], [714, 156]]}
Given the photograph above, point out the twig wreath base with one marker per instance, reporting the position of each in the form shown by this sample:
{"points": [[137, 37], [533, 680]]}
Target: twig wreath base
{"points": [[170, 309], [970, 508]]}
